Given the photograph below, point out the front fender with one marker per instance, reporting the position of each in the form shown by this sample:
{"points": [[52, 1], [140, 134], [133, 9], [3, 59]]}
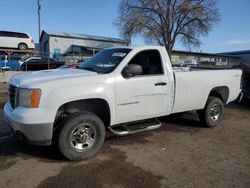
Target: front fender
{"points": [[56, 97]]}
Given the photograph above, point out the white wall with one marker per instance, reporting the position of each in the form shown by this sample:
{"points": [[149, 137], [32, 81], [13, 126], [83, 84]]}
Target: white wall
{"points": [[64, 44]]}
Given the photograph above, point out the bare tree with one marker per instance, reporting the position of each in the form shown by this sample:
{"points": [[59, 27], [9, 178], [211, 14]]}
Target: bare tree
{"points": [[165, 21]]}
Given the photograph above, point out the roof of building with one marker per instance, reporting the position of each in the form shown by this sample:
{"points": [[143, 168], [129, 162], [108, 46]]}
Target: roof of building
{"points": [[203, 54], [87, 47], [237, 52], [81, 36]]}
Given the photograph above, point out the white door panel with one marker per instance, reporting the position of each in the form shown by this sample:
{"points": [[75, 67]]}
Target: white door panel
{"points": [[141, 98]]}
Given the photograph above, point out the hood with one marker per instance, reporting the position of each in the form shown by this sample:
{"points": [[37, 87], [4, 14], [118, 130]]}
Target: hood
{"points": [[40, 77]]}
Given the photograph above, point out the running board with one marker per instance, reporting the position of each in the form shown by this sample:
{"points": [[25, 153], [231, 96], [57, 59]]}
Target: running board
{"points": [[134, 128]]}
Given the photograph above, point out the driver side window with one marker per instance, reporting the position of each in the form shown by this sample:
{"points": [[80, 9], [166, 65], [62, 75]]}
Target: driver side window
{"points": [[148, 61]]}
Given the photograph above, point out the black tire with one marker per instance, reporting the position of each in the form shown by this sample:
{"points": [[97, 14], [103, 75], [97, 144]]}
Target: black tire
{"points": [[74, 143], [212, 113], [22, 46]]}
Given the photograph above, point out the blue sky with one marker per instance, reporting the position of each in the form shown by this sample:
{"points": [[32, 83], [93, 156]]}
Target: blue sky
{"points": [[96, 17]]}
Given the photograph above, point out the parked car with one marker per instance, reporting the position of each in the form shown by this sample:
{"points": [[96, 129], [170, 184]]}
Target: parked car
{"points": [[39, 63], [122, 90], [11, 39]]}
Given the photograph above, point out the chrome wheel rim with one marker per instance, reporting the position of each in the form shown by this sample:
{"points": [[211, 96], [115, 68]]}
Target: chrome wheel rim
{"points": [[83, 137], [215, 112]]}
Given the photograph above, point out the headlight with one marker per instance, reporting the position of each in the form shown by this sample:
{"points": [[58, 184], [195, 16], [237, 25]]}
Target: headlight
{"points": [[29, 97]]}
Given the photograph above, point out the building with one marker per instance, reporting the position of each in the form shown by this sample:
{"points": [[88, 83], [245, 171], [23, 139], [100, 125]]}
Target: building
{"points": [[53, 43], [244, 55], [71, 47], [185, 57]]}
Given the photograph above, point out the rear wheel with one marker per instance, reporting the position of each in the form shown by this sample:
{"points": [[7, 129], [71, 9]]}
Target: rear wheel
{"points": [[81, 136], [213, 112], [22, 46]]}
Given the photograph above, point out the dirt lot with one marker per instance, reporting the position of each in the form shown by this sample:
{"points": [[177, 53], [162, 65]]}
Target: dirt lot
{"points": [[182, 153]]}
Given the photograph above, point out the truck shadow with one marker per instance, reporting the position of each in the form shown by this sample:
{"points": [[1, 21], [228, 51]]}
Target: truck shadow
{"points": [[187, 120], [12, 148], [182, 122]]}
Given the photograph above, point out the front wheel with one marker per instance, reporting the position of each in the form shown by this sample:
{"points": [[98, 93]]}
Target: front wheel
{"points": [[213, 112], [81, 136]]}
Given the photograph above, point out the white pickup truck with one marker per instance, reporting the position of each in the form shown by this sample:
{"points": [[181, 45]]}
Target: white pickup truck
{"points": [[122, 90]]}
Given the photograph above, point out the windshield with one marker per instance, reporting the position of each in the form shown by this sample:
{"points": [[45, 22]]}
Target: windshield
{"points": [[105, 61]]}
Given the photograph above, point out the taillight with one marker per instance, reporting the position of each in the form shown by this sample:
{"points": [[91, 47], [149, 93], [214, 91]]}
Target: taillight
{"points": [[32, 41]]}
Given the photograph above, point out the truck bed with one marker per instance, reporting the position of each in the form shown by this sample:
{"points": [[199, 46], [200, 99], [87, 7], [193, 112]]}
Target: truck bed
{"points": [[193, 86]]}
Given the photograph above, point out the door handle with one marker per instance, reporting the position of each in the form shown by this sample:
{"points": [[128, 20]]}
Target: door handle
{"points": [[160, 84]]}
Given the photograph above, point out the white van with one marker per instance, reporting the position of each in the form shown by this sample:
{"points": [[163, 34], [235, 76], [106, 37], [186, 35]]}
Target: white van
{"points": [[10, 39]]}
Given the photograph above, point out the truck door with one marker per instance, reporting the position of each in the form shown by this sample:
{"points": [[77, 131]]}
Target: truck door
{"points": [[145, 95]]}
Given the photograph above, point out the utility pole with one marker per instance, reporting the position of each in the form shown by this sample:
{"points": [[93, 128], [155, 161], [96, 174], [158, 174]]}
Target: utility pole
{"points": [[39, 22]]}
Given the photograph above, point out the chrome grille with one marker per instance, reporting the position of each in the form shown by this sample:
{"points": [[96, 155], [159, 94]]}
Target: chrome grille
{"points": [[12, 95]]}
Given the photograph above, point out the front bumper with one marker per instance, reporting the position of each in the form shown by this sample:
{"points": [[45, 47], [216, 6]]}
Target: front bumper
{"points": [[38, 134]]}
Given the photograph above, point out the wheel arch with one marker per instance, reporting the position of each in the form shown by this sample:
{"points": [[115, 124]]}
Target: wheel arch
{"points": [[222, 92], [24, 44], [98, 106]]}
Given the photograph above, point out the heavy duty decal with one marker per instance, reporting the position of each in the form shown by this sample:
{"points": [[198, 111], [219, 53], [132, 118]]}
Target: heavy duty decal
{"points": [[128, 103]]}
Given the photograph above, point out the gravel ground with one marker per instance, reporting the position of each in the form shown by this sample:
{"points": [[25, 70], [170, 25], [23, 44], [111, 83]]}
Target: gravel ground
{"points": [[3, 97], [182, 153]]}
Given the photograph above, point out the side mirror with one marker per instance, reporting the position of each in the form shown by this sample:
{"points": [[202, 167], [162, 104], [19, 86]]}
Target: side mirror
{"points": [[132, 70]]}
